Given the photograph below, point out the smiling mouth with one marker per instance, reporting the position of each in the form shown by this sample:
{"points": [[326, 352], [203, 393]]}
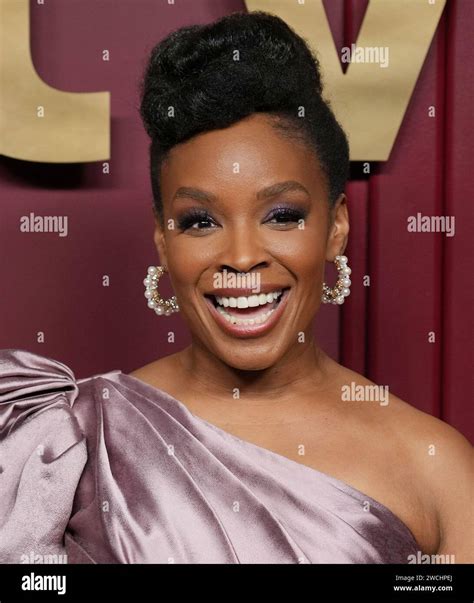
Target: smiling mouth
{"points": [[248, 311]]}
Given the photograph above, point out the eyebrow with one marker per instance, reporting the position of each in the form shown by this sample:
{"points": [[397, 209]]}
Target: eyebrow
{"points": [[281, 187], [188, 192]]}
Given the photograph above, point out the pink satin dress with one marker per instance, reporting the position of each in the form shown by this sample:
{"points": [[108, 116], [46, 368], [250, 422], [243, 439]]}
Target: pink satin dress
{"points": [[108, 469]]}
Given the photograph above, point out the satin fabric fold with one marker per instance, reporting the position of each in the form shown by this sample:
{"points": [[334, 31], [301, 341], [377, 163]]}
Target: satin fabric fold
{"points": [[109, 469]]}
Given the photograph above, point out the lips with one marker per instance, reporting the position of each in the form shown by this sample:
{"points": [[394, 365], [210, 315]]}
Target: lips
{"points": [[248, 315]]}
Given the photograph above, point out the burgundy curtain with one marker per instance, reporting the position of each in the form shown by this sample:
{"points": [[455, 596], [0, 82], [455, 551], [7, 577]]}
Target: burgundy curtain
{"points": [[420, 283]]}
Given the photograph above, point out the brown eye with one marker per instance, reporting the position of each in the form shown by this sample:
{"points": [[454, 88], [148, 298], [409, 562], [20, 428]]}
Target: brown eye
{"points": [[196, 221], [286, 215], [201, 224]]}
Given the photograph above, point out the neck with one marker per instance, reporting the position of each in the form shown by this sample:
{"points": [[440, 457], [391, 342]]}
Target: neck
{"points": [[304, 367]]}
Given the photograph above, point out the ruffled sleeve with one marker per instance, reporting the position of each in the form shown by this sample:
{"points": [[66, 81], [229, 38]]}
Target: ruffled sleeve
{"points": [[42, 456]]}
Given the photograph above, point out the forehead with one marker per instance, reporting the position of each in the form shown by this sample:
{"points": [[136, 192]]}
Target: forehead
{"points": [[245, 156]]}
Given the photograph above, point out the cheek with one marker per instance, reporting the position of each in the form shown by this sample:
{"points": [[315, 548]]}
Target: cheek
{"points": [[188, 259], [302, 252]]}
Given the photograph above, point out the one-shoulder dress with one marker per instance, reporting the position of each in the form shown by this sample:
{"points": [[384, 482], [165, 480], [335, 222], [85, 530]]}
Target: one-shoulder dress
{"points": [[109, 469]]}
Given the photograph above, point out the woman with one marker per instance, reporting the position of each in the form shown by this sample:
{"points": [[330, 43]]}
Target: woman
{"points": [[242, 448]]}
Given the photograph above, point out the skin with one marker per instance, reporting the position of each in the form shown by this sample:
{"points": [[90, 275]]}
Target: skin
{"points": [[290, 390]]}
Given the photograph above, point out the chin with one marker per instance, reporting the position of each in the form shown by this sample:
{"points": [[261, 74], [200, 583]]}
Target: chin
{"points": [[247, 358]]}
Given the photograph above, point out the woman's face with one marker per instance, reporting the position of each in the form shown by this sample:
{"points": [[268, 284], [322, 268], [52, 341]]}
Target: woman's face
{"points": [[247, 231]]}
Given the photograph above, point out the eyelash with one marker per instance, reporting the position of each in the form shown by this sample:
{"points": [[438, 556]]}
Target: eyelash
{"points": [[196, 216], [293, 214]]}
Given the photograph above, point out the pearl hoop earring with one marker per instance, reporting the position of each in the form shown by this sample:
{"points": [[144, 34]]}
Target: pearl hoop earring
{"points": [[162, 307], [341, 289]]}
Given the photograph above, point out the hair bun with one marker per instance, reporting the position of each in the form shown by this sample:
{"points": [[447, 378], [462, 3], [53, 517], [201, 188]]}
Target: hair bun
{"points": [[208, 77], [241, 64]]}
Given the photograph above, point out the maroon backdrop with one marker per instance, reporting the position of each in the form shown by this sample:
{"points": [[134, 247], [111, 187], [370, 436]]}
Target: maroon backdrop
{"points": [[419, 282]]}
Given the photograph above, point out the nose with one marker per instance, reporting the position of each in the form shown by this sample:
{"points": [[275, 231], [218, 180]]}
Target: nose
{"points": [[244, 250]]}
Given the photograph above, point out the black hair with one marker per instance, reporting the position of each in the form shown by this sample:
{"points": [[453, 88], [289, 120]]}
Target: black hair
{"points": [[207, 77]]}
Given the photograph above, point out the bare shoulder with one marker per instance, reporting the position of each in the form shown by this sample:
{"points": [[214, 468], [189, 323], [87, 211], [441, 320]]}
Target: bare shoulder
{"points": [[443, 454], [439, 459], [428, 437], [443, 458], [159, 373]]}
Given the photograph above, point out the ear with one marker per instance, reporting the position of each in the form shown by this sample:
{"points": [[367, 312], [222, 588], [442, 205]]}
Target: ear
{"points": [[338, 229], [160, 244]]}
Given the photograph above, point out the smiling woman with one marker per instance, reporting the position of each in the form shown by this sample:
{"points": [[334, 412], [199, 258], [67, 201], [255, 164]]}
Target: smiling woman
{"points": [[245, 447], [283, 211]]}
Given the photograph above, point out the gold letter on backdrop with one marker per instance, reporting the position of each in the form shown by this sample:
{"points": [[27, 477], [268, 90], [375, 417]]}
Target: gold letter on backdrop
{"points": [[368, 100], [38, 122]]}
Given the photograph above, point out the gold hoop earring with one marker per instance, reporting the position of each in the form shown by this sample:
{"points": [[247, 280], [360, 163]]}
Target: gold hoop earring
{"points": [[341, 289], [162, 307]]}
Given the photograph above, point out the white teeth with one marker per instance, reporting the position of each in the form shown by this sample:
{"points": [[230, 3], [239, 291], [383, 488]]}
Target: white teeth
{"points": [[245, 321], [252, 301], [242, 302]]}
